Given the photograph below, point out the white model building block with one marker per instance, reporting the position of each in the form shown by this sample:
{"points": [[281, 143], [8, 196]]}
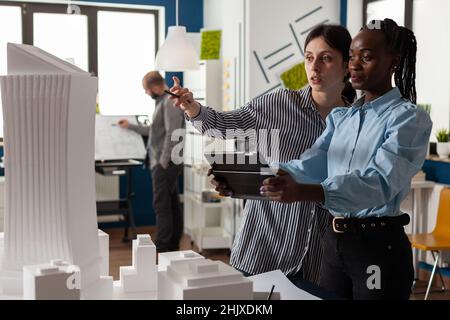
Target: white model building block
{"points": [[103, 241], [173, 257], [49, 132], [102, 289], [55, 281], [119, 294], [2, 235], [203, 280], [142, 275]]}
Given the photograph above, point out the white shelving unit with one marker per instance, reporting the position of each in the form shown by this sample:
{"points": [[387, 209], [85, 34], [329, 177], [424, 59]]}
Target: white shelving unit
{"points": [[210, 228], [210, 224]]}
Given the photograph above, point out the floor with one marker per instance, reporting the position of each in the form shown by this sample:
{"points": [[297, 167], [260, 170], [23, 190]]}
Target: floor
{"points": [[120, 255]]}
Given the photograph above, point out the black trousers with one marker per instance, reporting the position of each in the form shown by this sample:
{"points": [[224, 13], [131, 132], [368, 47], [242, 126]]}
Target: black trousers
{"points": [[368, 265], [166, 204]]}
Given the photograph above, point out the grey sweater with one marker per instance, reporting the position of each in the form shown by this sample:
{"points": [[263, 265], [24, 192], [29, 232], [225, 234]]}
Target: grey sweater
{"points": [[166, 119]]}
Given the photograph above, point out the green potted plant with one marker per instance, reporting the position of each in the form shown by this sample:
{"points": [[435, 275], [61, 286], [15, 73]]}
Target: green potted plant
{"points": [[425, 107], [442, 147]]}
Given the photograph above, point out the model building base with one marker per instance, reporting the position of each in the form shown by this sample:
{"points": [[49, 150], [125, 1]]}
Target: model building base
{"points": [[203, 280], [12, 283]]}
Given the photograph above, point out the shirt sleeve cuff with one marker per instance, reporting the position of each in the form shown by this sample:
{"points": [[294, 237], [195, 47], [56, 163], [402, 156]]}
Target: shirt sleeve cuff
{"points": [[327, 193], [288, 167], [203, 114]]}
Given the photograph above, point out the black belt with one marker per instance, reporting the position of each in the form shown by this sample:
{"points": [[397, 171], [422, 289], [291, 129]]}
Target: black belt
{"points": [[342, 225]]}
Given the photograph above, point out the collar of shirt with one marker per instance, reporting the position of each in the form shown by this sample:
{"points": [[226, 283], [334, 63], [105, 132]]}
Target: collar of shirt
{"points": [[161, 97], [306, 94], [380, 104]]}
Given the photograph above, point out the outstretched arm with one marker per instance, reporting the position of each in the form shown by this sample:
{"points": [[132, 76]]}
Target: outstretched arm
{"points": [[211, 122]]}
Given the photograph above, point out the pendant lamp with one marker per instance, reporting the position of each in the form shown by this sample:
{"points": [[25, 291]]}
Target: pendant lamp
{"points": [[177, 53]]}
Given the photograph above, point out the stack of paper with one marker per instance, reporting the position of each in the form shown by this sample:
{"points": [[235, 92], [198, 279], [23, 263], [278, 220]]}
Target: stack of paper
{"points": [[49, 119], [263, 282]]}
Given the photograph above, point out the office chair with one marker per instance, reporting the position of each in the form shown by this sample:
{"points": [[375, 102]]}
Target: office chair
{"points": [[438, 239]]}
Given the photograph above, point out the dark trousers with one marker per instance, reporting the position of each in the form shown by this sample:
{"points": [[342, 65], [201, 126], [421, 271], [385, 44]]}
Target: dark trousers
{"points": [[166, 204], [368, 265]]}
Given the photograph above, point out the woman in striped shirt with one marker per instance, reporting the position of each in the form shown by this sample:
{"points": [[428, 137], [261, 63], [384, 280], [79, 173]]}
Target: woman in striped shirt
{"points": [[277, 235]]}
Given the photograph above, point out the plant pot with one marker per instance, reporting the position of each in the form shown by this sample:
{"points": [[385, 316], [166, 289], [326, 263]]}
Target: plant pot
{"points": [[443, 149]]}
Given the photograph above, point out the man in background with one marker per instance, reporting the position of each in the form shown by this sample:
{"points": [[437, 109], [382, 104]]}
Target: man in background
{"points": [[166, 201]]}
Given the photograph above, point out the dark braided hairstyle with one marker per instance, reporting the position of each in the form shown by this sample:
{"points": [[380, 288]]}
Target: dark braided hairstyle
{"points": [[402, 41]]}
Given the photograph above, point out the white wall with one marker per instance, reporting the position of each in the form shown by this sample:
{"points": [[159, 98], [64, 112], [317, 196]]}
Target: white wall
{"points": [[354, 16], [432, 28], [213, 13], [260, 39], [273, 24], [228, 16]]}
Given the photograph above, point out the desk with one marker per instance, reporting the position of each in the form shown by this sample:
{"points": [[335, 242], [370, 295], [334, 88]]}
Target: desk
{"points": [[121, 206], [288, 291], [419, 214]]}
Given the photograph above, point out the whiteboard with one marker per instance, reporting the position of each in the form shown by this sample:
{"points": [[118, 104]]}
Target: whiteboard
{"points": [[115, 143]]}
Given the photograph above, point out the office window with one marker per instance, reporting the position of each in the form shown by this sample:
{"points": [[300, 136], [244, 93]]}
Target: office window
{"points": [[10, 31], [63, 35], [116, 44], [126, 51]]}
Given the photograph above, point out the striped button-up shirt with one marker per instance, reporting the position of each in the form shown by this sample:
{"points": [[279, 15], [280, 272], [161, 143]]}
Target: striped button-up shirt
{"points": [[275, 235]]}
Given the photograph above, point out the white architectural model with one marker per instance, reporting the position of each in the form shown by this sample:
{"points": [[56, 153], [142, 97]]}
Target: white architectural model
{"points": [[50, 210], [103, 242], [55, 281], [203, 280], [174, 257], [142, 275]]}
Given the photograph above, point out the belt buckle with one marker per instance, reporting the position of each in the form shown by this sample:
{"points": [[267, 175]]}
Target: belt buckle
{"points": [[334, 226]]}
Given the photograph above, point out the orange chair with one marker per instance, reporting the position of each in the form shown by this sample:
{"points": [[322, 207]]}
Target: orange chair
{"points": [[438, 239]]}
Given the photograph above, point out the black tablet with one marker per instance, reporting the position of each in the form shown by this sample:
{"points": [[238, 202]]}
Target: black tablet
{"points": [[243, 173]]}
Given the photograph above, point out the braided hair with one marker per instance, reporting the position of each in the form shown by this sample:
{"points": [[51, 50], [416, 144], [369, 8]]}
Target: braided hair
{"points": [[402, 41]]}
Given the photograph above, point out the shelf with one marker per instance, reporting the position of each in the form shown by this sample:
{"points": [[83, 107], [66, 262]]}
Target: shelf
{"points": [[110, 218], [196, 198], [204, 220], [419, 184], [212, 238], [107, 207]]}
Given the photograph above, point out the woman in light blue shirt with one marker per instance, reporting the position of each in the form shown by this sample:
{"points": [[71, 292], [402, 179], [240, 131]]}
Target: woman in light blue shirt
{"points": [[361, 168]]}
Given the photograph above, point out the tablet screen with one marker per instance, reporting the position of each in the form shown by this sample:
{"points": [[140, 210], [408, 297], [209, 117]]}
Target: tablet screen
{"points": [[243, 173]]}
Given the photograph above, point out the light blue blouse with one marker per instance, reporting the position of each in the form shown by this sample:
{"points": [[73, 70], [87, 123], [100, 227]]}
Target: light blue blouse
{"points": [[366, 157]]}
